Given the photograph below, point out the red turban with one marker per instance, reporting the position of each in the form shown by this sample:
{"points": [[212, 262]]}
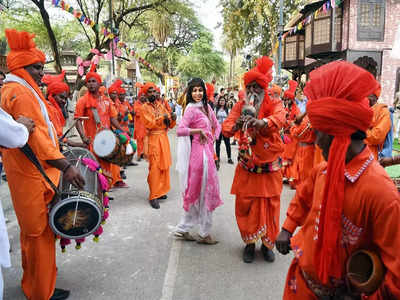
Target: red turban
{"points": [[48, 79], [23, 51], [290, 92], [210, 91], [241, 95], [262, 73], [56, 88], [146, 87], [92, 74], [337, 106], [378, 91], [276, 89]]}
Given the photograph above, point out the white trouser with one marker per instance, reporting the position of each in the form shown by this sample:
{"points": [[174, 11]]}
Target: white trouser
{"points": [[198, 213]]}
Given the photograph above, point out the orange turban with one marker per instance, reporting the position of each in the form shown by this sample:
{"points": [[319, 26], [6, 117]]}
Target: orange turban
{"points": [[115, 87], [55, 86], [23, 51], [262, 73], [146, 87], [93, 74], [210, 91], [276, 89], [337, 106], [290, 92], [48, 79]]}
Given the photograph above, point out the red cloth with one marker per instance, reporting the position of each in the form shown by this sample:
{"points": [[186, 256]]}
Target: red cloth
{"points": [[210, 91], [23, 51], [146, 86], [115, 86], [337, 106], [241, 94], [290, 92], [262, 73], [92, 74]]}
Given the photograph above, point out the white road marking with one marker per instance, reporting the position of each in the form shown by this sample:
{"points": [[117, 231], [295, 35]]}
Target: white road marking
{"points": [[170, 275]]}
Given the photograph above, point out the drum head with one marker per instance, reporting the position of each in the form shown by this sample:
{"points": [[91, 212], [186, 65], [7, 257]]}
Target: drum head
{"points": [[104, 143], [76, 217]]}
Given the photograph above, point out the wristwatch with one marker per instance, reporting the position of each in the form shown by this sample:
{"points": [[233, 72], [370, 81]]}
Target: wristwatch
{"points": [[265, 121]]}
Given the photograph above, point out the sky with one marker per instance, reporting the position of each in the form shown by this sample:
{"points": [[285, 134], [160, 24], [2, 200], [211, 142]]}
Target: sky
{"points": [[209, 15]]}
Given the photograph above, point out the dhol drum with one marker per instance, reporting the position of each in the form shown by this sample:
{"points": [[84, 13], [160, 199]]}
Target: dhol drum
{"points": [[79, 212], [107, 146]]}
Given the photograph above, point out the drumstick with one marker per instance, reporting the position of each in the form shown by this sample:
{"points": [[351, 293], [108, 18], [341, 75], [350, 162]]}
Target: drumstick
{"points": [[72, 126]]}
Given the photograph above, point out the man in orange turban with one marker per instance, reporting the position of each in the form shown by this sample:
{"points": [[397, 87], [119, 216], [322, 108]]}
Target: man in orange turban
{"points": [[140, 129], [30, 192], [258, 179], [290, 143], [380, 125], [348, 203], [94, 101], [157, 121]]}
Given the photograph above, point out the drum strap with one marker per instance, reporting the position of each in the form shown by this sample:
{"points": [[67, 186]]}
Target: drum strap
{"points": [[96, 116], [27, 150]]}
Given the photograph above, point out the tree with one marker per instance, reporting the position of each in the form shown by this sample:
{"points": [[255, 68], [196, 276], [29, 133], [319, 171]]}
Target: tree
{"points": [[254, 22], [202, 61]]}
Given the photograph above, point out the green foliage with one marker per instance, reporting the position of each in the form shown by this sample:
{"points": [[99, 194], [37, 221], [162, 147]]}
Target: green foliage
{"points": [[202, 61], [254, 22]]}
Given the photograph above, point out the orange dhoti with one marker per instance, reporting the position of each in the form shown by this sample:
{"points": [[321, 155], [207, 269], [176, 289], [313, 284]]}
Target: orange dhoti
{"points": [[288, 156], [258, 218]]}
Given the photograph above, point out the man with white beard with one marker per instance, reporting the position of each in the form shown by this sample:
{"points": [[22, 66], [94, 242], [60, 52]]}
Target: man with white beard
{"points": [[258, 180]]}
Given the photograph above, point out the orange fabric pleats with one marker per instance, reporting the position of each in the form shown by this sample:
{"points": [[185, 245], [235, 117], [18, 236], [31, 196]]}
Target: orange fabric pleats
{"points": [[258, 218], [158, 180], [39, 265]]}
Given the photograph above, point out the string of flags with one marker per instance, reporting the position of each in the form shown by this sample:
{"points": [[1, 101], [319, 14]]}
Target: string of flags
{"points": [[109, 34], [326, 7]]}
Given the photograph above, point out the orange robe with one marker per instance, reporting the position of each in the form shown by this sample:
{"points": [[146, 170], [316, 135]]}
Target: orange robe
{"points": [[106, 111], [55, 118], [370, 220], [140, 130], [159, 154], [318, 158], [290, 148], [258, 195], [31, 194], [304, 159], [380, 127]]}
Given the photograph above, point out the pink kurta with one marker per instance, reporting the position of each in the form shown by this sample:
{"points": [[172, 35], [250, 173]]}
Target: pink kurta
{"points": [[194, 118]]}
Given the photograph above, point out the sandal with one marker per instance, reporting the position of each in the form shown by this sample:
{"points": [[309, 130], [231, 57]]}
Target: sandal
{"points": [[184, 236], [208, 240]]}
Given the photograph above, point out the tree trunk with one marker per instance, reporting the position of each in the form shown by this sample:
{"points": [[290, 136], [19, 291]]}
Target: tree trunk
{"points": [[50, 33]]}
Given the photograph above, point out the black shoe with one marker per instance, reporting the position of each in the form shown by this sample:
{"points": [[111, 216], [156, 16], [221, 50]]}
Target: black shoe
{"points": [[154, 204], [248, 253], [230, 161], [59, 294], [122, 173], [4, 177], [162, 197], [268, 254], [132, 164], [233, 143]]}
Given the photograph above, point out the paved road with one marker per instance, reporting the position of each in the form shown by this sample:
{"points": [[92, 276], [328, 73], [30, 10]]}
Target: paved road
{"points": [[138, 258]]}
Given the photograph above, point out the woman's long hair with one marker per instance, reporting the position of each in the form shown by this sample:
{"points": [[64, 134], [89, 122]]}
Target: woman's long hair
{"points": [[225, 107], [197, 82]]}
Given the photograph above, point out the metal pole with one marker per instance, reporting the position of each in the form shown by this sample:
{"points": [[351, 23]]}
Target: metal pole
{"points": [[112, 41], [280, 37], [333, 31]]}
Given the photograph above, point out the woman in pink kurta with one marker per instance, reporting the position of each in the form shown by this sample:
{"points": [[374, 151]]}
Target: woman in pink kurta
{"points": [[195, 164]]}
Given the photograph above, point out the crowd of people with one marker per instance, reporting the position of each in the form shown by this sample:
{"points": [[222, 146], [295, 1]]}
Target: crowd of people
{"points": [[325, 144]]}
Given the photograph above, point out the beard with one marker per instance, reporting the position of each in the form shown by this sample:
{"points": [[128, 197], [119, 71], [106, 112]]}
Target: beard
{"points": [[152, 98], [255, 100]]}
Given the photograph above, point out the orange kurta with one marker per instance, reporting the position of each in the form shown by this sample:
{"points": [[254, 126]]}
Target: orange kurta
{"points": [[380, 127], [140, 130], [290, 144], [258, 195], [159, 154], [304, 159], [31, 194], [370, 220], [106, 111], [55, 118]]}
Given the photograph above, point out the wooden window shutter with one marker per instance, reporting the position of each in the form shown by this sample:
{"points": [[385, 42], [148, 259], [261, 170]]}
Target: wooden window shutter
{"points": [[371, 20]]}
